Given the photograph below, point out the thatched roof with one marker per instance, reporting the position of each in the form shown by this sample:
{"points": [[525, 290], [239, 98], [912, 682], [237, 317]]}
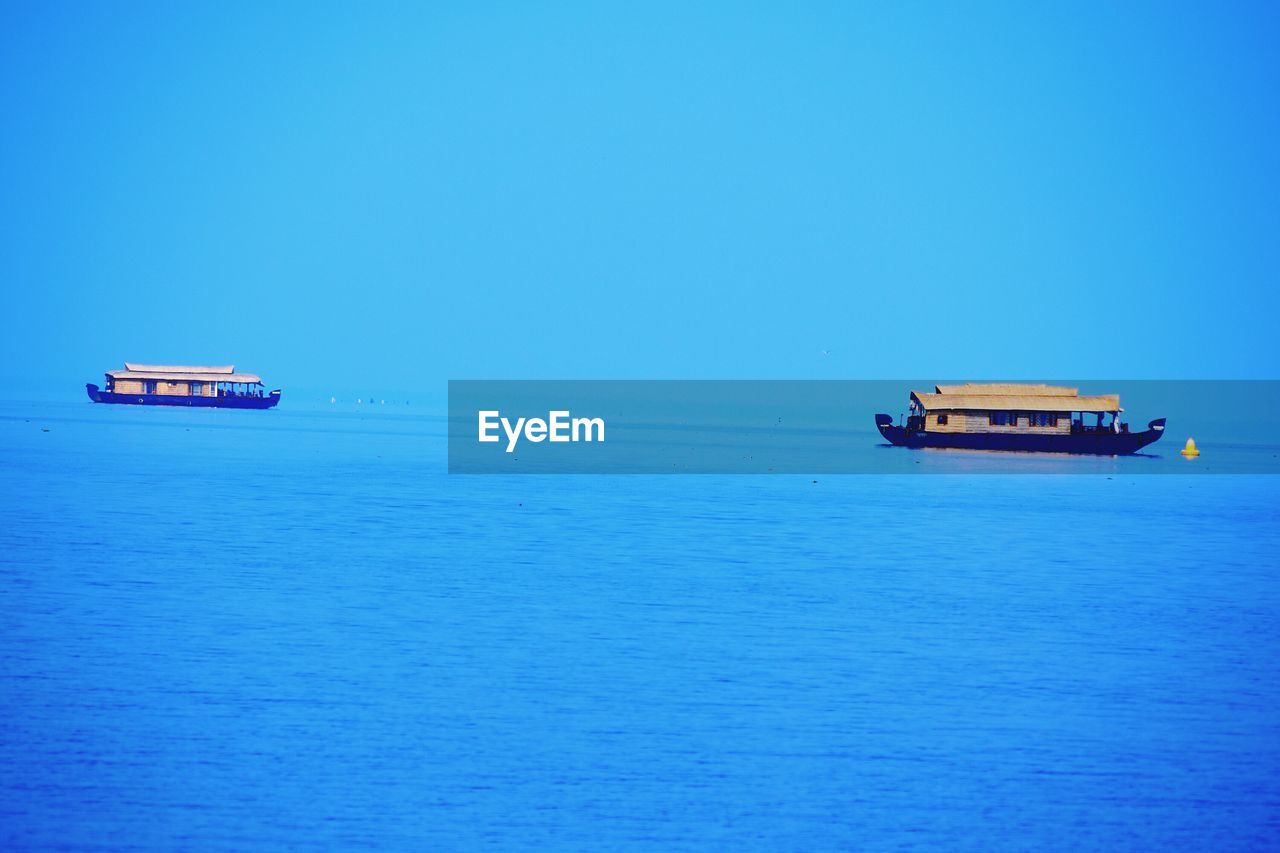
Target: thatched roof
{"points": [[1006, 389], [1018, 402], [182, 374], [177, 368]]}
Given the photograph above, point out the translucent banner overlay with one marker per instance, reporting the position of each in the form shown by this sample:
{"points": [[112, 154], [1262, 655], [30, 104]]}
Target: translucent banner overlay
{"points": [[830, 427]]}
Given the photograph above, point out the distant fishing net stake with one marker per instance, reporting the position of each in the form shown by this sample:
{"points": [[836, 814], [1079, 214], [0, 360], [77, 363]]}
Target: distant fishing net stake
{"points": [[1190, 451]]}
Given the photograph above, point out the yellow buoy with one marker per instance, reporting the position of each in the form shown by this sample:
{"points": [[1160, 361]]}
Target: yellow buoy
{"points": [[1190, 450]]}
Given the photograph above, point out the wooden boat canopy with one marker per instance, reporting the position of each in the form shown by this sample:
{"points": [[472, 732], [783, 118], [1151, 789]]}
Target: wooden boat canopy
{"points": [[184, 373], [1026, 398], [1006, 389], [177, 368]]}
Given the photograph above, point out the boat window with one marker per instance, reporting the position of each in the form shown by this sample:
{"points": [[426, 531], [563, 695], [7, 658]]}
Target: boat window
{"points": [[197, 389], [942, 420], [1003, 419], [1044, 419]]}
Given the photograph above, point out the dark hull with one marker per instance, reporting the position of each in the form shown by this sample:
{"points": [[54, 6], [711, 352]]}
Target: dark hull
{"points": [[232, 402], [1095, 443]]}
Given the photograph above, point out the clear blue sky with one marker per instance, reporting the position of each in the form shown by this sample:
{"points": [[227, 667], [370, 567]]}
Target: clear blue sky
{"points": [[381, 196]]}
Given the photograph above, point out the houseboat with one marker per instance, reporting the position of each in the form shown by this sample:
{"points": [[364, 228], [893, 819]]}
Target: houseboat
{"points": [[183, 385], [1034, 418]]}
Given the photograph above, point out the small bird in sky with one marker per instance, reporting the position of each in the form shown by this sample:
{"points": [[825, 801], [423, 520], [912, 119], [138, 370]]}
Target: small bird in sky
{"points": [[826, 352]]}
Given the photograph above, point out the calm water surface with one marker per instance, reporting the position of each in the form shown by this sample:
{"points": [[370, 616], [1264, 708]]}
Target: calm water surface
{"points": [[238, 629]]}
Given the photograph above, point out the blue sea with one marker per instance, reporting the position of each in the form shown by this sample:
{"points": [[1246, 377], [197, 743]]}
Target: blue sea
{"points": [[231, 630]]}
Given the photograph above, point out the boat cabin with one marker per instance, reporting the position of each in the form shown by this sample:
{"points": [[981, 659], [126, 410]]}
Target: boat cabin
{"points": [[1006, 408], [183, 381]]}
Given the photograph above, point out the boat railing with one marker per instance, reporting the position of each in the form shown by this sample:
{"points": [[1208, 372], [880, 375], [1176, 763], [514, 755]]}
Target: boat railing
{"points": [[1078, 428]]}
